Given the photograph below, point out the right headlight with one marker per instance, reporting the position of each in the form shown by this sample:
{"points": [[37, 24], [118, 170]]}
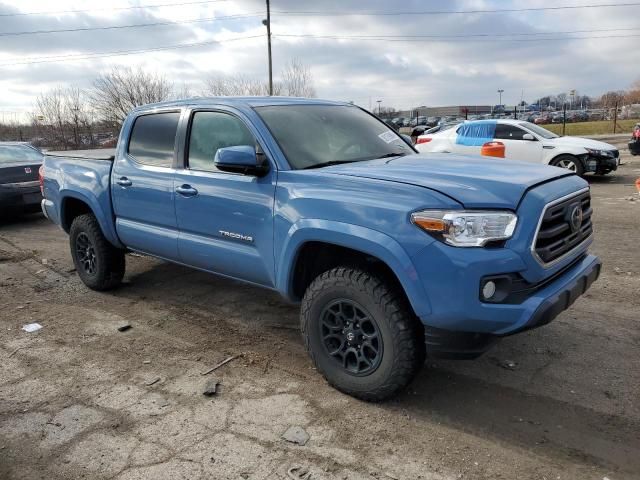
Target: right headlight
{"points": [[466, 228]]}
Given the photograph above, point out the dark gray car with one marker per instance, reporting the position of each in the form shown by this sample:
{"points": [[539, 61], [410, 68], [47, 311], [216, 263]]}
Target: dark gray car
{"points": [[19, 184]]}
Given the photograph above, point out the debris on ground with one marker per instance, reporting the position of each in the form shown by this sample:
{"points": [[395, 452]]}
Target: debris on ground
{"points": [[146, 362], [31, 327], [152, 381], [124, 327], [299, 473], [224, 362], [296, 435], [15, 351], [391, 476], [211, 387], [508, 364]]}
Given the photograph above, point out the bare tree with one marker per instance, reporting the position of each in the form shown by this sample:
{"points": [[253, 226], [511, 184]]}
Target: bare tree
{"points": [[78, 115], [119, 91], [50, 108], [633, 94], [297, 80], [183, 91], [610, 99], [236, 85]]}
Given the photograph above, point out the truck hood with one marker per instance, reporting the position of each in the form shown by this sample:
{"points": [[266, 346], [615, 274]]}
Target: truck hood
{"points": [[474, 181], [578, 142]]}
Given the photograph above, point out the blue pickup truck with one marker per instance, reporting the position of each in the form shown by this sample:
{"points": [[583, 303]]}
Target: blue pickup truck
{"points": [[393, 255]]}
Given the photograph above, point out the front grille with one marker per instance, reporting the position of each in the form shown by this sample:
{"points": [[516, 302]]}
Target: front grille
{"points": [[615, 153], [561, 229]]}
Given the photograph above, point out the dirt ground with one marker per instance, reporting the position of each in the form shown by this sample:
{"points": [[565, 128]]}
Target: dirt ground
{"points": [[80, 399]]}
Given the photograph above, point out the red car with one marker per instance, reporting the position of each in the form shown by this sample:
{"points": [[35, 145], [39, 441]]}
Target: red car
{"points": [[634, 143]]}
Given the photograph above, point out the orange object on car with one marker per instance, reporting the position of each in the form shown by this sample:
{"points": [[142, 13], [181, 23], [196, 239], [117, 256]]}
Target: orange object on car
{"points": [[493, 149]]}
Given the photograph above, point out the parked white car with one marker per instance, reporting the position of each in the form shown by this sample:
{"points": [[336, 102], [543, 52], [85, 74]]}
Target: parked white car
{"points": [[527, 142]]}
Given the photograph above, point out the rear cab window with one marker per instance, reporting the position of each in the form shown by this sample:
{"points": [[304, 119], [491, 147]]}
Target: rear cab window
{"points": [[153, 138]]}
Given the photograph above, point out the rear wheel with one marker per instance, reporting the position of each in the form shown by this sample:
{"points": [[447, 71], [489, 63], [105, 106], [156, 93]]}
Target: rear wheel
{"points": [[570, 163], [99, 264], [361, 333]]}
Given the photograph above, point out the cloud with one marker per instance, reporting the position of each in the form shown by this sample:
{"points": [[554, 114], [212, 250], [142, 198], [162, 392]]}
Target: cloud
{"points": [[440, 71]]}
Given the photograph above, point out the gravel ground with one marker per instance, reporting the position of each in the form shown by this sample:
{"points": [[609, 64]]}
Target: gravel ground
{"points": [[80, 399]]}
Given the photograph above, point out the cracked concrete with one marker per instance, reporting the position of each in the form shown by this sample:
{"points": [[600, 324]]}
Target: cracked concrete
{"points": [[74, 401]]}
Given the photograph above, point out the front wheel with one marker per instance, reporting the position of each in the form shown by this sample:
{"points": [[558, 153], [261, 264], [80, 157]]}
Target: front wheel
{"points": [[570, 163], [99, 264], [361, 333]]}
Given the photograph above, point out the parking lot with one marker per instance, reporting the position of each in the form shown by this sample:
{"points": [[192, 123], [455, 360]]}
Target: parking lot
{"points": [[79, 398]]}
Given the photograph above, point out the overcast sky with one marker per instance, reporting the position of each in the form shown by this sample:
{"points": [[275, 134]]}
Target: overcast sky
{"points": [[440, 71]]}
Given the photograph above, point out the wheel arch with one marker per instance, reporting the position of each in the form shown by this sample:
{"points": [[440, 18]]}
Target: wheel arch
{"points": [[73, 204], [314, 246]]}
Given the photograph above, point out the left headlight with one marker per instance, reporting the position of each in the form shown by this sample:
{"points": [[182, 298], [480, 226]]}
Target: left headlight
{"points": [[599, 153], [464, 228]]}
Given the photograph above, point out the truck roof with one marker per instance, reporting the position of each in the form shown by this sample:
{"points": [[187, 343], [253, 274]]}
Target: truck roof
{"points": [[240, 102]]}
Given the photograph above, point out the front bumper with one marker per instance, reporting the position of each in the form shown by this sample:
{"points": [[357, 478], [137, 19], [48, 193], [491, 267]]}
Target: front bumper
{"points": [[538, 309], [600, 164]]}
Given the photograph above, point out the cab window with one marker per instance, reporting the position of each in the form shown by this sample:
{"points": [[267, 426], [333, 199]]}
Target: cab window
{"points": [[508, 132], [211, 131], [153, 138]]}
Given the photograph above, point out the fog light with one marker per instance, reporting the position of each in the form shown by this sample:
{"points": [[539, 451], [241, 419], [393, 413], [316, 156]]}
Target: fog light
{"points": [[488, 290]]}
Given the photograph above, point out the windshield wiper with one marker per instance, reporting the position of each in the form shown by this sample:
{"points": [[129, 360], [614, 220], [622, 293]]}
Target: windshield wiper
{"points": [[390, 155], [328, 164]]}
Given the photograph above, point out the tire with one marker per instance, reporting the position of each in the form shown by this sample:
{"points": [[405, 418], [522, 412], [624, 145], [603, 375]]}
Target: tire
{"points": [[345, 293], [99, 264], [570, 163]]}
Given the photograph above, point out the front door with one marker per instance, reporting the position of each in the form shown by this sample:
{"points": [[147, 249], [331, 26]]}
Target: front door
{"points": [[515, 148], [142, 187], [225, 219]]}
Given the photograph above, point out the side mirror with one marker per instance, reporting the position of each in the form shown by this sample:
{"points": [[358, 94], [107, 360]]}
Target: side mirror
{"points": [[241, 159], [407, 139], [528, 136]]}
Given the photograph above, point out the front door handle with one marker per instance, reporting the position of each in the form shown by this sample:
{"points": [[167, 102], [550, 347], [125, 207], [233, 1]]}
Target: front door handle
{"points": [[124, 182], [187, 191]]}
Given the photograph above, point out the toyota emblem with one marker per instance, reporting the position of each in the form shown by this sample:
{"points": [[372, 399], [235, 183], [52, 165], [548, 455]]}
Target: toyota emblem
{"points": [[576, 218], [27, 169]]}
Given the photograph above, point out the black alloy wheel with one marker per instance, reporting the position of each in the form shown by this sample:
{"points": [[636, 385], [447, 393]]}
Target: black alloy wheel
{"points": [[351, 336]]}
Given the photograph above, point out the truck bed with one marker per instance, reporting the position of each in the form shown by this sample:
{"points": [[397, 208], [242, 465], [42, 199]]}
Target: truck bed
{"points": [[84, 176], [107, 154]]}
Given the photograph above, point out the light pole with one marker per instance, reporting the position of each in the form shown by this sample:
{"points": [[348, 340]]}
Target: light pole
{"points": [[500, 99], [267, 23], [379, 102]]}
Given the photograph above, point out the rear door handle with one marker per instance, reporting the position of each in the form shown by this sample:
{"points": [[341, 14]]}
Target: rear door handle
{"points": [[124, 182], [187, 191]]}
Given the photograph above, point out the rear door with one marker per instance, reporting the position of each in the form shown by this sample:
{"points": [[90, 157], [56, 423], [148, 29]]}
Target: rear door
{"points": [[225, 219], [515, 147], [142, 185]]}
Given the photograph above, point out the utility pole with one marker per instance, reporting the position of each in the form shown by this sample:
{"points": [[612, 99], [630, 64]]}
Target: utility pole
{"points": [[500, 93], [379, 102], [267, 23]]}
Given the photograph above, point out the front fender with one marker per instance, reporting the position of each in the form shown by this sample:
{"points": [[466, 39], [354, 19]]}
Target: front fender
{"points": [[104, 217], [366, 240]]}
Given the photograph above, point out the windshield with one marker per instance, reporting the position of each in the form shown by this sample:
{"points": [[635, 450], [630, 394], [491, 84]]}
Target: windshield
{"points": [[538, 130], [19, 153], [316, 135]]}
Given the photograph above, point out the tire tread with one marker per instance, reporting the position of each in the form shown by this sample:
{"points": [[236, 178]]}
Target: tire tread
{"points": [[406, 330]]}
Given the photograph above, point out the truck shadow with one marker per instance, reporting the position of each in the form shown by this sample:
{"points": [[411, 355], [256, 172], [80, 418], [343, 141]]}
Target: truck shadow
{"points": [[535, 422], [528, 407]]}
